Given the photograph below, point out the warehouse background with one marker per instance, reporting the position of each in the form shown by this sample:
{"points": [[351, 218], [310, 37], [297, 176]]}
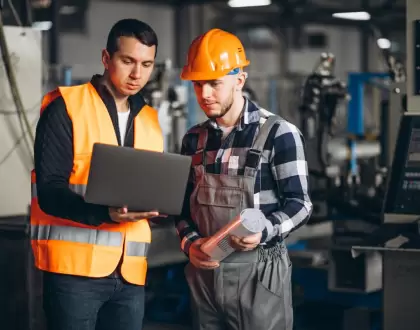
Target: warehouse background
{"points": [[53, 43]]}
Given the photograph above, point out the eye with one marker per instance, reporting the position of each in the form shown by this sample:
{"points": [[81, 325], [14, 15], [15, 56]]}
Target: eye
{"points": [[126, 61], [147, 65]]}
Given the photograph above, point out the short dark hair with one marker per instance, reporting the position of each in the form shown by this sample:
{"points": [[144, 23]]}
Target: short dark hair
{"points": [[131, 27]]}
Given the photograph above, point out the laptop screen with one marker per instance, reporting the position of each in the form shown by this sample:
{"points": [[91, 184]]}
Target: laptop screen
{"points": [[402, 199]]}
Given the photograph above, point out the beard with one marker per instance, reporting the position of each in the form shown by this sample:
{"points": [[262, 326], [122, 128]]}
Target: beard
{"points": [[225, 107]]}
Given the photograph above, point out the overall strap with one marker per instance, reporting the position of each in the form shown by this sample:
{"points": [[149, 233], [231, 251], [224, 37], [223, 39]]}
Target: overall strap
{"points": [[254, 154]]}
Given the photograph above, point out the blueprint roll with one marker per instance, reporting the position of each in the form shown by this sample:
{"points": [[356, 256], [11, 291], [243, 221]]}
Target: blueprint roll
{"points": [[248, 222], [253, 221]]}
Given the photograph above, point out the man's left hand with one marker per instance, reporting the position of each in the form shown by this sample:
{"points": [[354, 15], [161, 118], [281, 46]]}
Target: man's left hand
{"points": [[246, 243]]}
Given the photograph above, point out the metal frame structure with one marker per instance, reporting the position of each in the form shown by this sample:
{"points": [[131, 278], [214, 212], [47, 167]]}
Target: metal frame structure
{"points": [[355, 119], [356, 84]]}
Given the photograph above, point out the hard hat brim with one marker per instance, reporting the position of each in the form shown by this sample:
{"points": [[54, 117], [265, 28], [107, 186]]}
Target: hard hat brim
{"points": [[212, 75]]}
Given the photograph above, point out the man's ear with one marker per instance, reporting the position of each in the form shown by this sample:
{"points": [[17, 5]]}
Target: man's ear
{"points": [[241, 79], [105, 58]]}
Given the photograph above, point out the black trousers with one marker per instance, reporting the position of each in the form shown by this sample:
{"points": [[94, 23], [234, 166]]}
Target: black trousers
{"points": [[81, 303]]}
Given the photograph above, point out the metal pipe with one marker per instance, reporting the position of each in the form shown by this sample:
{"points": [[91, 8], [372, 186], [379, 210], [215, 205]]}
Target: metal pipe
{"points": [[339, 151], [23, 118]]}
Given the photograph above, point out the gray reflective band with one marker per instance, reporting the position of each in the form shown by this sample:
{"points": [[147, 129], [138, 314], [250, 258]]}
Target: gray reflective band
{"points": [[137, 249], [77, 188], [75, 234]]}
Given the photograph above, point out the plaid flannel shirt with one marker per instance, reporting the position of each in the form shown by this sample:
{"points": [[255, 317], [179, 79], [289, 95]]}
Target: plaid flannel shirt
{"points": [[281, 186]]}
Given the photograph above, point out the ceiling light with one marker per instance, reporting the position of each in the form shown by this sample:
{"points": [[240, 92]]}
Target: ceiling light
{"points": [[248, 3], [354, 16], [384, 43]]}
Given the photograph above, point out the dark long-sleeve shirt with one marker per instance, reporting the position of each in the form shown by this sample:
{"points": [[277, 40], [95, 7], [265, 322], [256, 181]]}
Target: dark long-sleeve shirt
{"points": [[281, 188], [54, 159]]}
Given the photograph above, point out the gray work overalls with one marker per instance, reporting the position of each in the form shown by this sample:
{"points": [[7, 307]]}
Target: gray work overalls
{"points": [[250, 290]]}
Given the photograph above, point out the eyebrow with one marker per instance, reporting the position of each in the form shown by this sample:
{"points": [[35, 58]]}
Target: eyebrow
{"points": [[134, 60]]}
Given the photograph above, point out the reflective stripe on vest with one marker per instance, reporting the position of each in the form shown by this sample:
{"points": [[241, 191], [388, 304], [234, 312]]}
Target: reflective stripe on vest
{"points": [[85, 235], [137, 249], [88, 236], [76, 234]]}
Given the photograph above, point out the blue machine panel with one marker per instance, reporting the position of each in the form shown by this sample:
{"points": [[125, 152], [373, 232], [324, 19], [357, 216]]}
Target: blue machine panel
{"points": [[416, 57]]}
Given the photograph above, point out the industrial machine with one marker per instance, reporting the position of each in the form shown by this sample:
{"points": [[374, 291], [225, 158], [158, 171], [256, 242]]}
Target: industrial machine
{"points": [[321, 94], [348, 168], [398, 239], [379, 220], [397, 242]]}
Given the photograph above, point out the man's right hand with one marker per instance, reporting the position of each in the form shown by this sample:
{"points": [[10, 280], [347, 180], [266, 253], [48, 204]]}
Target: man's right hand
{"points": [[121, 215], [198, 258]]}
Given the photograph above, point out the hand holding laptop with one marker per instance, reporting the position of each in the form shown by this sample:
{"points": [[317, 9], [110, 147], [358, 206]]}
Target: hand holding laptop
{"points": [[122, 215]]}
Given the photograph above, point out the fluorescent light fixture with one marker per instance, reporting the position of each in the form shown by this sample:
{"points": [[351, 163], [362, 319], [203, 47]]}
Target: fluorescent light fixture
{"points": [[248, 3], [354, 16], [42, 25], [383, 43]]}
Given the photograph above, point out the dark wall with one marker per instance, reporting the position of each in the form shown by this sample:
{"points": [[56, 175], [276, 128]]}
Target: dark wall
{"points": [[20, 282]]}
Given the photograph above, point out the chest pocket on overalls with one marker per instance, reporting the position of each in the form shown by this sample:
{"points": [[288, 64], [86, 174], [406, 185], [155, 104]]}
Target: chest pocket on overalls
{"points": [[224, 197], [217, 205]]}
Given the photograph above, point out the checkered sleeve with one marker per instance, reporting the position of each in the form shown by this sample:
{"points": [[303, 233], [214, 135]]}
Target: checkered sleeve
{"points": [[185, 227], [290, 171]]}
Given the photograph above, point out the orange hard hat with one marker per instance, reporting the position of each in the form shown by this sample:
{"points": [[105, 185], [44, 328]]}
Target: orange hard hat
{"points": [[213, 55]]}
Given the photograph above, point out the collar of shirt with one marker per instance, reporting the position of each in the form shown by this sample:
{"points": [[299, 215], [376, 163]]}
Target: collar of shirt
{"points": [[136, 102], [250, 114]]}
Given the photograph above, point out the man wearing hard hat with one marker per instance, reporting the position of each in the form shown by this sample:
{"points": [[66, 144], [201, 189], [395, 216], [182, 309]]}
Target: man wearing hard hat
{"points": [[241, 159]]}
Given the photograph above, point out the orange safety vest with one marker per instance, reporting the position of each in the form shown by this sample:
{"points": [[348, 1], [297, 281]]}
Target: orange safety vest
{"points": [[67, 247]]}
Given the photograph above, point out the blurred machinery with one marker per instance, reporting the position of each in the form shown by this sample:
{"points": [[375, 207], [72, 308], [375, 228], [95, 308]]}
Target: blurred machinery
{"points": [[170, 98], [348, 168], [348, 175], [321, 94]]}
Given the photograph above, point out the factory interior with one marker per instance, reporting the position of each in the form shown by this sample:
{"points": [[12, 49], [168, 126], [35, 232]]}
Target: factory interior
{"points": [[345, 73]]}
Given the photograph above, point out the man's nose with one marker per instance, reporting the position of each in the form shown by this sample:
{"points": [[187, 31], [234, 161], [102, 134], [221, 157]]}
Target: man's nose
{"points": [[206, 91], [136, 72]]}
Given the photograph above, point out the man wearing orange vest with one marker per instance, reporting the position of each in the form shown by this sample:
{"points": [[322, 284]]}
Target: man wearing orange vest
{"points": [[243, 157], [94, 257]]}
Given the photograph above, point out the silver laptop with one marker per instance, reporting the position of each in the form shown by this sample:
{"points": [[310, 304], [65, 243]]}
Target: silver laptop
{"points": [[139, 179]]}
